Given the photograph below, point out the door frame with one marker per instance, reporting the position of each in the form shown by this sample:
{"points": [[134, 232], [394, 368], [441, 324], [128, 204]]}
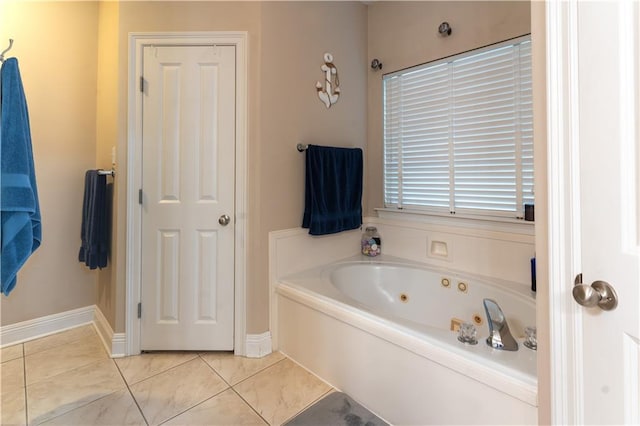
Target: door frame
{"points": [[137, 41], [563, 353]]}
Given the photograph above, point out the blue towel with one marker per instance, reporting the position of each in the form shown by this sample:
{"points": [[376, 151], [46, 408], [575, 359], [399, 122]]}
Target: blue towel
{"points": [[95, 231], [19, 206], [333, 190]]}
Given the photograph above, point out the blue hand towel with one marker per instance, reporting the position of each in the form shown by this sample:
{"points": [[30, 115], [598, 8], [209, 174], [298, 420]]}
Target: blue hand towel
{"points": [[333, 189], [94, 232], [19, 206]]}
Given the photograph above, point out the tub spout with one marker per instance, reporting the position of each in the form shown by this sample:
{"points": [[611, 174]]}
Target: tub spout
{"points": [[499, 335]]}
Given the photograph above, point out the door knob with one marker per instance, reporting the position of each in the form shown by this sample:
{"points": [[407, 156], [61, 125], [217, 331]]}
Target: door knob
{"points": [[224, 220], [599, 293]]}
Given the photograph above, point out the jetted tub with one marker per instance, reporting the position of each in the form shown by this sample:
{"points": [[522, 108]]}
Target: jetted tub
{"points": [[380, 330]]}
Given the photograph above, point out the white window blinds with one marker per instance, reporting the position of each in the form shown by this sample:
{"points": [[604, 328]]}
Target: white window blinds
{"points": [[458, 133]]}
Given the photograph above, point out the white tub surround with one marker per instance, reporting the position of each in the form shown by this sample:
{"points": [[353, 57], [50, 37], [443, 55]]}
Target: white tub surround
{"points": [[498, 250], [398, 358]]}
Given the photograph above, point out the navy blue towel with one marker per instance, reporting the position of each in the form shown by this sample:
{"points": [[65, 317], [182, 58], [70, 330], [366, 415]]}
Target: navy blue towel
{"points": [[333, 190], [19, 205], [95, 228]]}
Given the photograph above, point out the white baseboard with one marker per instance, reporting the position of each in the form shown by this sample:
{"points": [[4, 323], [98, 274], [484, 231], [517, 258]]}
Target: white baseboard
{"points": [[258, 345], [114, 343], [118, 345], [39, 327]]}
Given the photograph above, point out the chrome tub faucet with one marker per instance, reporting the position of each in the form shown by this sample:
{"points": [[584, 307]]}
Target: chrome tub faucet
{"points": [[499, 335]]}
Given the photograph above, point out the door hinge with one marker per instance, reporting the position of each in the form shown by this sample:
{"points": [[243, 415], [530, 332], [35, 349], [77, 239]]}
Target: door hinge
{"points": [[140, 310], [140, 196], [142, 84]]}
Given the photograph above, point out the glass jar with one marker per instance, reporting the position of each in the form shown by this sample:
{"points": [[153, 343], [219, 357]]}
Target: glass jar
{"points": [[370, 242]]}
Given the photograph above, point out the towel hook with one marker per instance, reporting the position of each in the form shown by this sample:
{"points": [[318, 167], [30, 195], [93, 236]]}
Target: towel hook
{"points": [[6, 50]]}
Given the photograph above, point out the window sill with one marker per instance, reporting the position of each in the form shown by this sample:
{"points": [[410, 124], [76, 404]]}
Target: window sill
{"points": [[490, 223]]}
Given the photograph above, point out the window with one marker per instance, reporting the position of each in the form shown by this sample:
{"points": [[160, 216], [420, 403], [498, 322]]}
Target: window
{"points": [[458, 133]]}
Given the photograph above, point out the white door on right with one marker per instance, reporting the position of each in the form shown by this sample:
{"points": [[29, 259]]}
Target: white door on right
{"points": [[608, 81]]}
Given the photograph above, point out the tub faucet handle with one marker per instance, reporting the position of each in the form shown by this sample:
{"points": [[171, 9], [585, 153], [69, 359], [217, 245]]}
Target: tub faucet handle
{"points": [[499, 335]]}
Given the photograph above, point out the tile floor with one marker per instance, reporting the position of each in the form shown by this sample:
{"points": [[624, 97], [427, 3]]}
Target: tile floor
{"points": [[68, 379]]}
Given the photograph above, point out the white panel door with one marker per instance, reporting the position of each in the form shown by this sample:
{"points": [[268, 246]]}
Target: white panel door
{"points": [[604, 36], [187, 185], [609, 88]]}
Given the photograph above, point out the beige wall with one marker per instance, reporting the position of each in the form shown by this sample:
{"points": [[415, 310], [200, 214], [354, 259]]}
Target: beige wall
{"points": [[106, 137], [295, 37], [403, 34], [56, 45]]}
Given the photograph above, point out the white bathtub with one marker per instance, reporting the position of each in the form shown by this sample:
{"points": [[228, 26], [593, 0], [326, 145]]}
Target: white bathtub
{"points": [[379, 329]]}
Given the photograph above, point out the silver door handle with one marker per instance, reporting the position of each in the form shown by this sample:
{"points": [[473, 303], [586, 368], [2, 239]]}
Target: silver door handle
{"points": [[599, 293], [224, 220]]}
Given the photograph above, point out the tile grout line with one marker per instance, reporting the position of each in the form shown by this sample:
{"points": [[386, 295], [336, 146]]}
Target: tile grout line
{"points": [[61, 372], [260, 371], [155, 374], [78, 407], [331, 387], [263, 368], [311, 404], [135, 401], [247, 378], [214, 370], [164, 371], [24, 369], [190, 408], [58, 345], [313, 374], [24, 357], [75, 367], [83, 405], [249, 405], [232, 387], [207, 399]]}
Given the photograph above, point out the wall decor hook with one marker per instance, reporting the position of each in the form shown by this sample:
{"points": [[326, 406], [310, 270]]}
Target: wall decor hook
{"points": [[329, 92], [444, 29], [376, 65]]}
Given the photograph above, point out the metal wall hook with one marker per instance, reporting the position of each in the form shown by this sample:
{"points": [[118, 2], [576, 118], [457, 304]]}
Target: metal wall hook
{"points": [[376, 65], [6, 50], [444, 29]]}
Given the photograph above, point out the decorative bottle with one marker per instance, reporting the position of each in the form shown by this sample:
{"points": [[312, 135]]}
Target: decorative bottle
{"points": [[371, 243]]}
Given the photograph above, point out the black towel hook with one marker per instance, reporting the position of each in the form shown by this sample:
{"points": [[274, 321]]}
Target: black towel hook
{"points": [[6, 50]]}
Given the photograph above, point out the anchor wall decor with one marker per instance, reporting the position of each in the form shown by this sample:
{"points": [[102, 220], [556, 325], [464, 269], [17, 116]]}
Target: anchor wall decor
{"points": [[330, 90]]}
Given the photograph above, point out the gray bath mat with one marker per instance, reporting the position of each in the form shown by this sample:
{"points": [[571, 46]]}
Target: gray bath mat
{"points": [[336, 409]]}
